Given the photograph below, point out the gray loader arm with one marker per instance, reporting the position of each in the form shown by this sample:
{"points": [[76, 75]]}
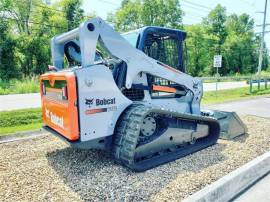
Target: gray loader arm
{"points": [[92, 30]]}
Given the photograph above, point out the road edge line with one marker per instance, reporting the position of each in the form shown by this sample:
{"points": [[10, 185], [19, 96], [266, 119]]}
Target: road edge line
{"points": [[22, 136]]}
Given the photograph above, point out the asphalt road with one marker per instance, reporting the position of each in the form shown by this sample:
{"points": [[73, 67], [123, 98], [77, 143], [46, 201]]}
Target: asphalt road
{"points": [[23, 101], [256, 106], [19, 101]]}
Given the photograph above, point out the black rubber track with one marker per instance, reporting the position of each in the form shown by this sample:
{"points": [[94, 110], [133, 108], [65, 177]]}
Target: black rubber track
{"points": [[128, 130]]}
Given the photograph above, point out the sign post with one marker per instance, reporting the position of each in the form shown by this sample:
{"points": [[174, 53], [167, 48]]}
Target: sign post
{"points": [[217, 64]]}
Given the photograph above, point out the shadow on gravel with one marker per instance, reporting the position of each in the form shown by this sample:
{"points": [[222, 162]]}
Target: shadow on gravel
{"points": [[241, 138], [94, 175]]}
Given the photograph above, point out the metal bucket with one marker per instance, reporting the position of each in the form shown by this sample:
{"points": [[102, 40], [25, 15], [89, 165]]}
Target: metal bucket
{"points": [[230, 124]]}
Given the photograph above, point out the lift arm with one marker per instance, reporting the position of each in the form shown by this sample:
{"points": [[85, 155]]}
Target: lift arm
{"points": [[96, 29]]}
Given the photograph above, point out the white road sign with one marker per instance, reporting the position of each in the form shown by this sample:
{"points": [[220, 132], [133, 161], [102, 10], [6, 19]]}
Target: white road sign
{"points": [[217, 60]]}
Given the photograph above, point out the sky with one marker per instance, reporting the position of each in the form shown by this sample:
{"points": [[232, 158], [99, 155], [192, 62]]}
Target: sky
{"points": [[195, 10]]}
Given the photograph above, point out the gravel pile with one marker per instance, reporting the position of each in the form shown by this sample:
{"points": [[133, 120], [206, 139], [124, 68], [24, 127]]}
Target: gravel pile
{"points": [[46, 169]]}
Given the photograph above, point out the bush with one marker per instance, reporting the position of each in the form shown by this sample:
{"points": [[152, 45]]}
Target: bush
{"points": [[15, 86], [265, 73], [20, 117]]}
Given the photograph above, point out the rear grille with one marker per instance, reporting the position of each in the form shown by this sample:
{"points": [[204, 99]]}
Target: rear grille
{"points": [[55, 91], [134, 94]]}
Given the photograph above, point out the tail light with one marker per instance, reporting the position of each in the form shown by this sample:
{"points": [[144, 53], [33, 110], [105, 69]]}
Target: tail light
{"points": [[43, 89], [52, 68], [64, 93]]}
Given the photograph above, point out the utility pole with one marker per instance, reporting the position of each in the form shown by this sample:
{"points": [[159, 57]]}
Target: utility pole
{"points": [[262, 43]]}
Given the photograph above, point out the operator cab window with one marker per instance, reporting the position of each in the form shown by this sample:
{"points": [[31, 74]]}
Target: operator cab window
{"points": [[165, 48]]}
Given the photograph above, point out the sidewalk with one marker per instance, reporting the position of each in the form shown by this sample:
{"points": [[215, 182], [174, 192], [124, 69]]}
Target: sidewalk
{"points": [[246, 183], [258, 192]]}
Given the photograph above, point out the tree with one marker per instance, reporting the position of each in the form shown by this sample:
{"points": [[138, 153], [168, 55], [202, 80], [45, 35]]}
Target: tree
{"points": [[34, 23], [73, 12], [128, 17], [197, 50], [19, 12], [8, 66], [27, 26], [26, 19], [214, 25], [240, 47], [165, 13], [134, 14]]}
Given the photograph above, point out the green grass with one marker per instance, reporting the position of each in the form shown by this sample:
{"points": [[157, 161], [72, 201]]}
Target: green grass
{"points": [[19, 120], [30, 119], [212, 97], [265, 73], [237, 77], [25, 85], [20, 128]]}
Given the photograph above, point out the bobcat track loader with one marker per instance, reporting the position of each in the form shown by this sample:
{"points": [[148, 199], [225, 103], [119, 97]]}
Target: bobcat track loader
{"points": [[128, 94]]}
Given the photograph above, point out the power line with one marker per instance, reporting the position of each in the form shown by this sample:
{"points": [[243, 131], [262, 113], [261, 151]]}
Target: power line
{"points": [[193, 7], [202, 6], [267, 24], [195, 15], [50, 8], [192, 19], [109, 2], [250, 4], [198, 5], [265, 32]]}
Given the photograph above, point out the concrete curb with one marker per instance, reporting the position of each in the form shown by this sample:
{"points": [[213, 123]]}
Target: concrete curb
{"points": [[22, 136], [229, 186]]}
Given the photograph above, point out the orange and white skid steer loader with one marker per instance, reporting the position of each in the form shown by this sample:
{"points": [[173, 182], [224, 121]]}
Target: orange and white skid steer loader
{"points": [[129, 94]]}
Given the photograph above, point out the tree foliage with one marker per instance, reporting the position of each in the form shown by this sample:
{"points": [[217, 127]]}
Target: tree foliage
{"points": [[215, 26], [74, 14], [8, 68], [240, 46], [128, 17], [231, 36], [134, 14], [197, 49], [26, 27]]}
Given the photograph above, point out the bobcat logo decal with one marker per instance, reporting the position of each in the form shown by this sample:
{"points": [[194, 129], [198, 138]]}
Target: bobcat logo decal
{"points": [[99, 102], [89, 102]]}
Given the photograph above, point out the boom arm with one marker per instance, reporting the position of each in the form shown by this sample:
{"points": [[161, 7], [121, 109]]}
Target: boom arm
{"points": [[92, 30]]}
